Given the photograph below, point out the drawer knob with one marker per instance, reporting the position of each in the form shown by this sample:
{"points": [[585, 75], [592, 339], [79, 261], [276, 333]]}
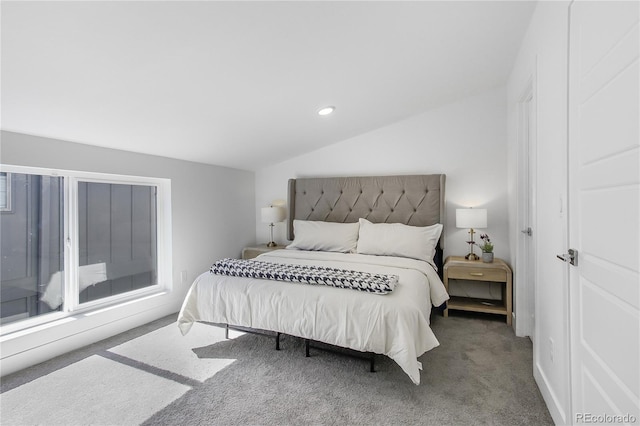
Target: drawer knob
{"points": [[476, 274]]}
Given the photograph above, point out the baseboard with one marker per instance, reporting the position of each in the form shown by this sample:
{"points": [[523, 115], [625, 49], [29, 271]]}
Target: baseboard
{"points": [[558, 414]]}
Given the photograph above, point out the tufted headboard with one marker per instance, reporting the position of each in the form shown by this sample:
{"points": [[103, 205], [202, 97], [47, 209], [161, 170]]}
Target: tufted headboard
{"points": [[416, 200]]}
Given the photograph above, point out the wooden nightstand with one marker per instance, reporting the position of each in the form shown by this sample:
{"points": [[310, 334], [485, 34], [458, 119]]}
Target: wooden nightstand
{"points": [[251, 252], [459, 268]]}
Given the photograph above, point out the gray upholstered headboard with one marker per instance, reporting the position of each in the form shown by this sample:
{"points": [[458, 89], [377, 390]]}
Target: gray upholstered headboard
{"points": [[416, 200]]}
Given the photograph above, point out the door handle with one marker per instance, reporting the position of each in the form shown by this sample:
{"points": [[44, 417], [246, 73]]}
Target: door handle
{"points": [[527, 231], [571, 257]]}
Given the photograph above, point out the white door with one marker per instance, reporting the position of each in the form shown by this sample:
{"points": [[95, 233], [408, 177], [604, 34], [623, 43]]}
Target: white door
{"points": [[604, 184]]}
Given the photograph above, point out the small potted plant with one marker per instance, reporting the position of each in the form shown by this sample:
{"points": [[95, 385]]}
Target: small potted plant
{"points": [[487, 248]]}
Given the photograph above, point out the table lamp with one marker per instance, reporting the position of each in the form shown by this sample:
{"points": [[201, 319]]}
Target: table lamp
{"points": [[273, 214], [471, 219]]}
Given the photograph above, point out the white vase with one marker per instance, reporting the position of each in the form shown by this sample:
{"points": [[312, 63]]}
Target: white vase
{"points": [[487, 257]]}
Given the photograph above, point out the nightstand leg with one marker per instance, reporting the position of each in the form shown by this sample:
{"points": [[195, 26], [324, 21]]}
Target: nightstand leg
{"points": [[445, 311], [509, 301]]}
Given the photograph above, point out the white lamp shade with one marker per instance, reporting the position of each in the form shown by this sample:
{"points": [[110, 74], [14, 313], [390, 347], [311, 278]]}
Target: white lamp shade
{"points": [[471, 218], [273, 214]]}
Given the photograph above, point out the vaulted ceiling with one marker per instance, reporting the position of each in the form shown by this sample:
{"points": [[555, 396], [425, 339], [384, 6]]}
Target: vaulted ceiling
{"points": [[239, 84]]}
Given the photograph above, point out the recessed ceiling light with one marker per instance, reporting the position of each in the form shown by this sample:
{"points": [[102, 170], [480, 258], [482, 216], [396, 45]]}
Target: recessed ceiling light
{"points": [[326, 110]]}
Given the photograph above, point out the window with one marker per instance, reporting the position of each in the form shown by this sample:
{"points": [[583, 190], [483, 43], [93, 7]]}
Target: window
{"points": [[117, 239], [77, 241], [32, 246]]}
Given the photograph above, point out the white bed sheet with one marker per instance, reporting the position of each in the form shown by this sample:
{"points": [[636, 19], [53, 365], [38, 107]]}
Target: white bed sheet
{"points": [[395, 324]]}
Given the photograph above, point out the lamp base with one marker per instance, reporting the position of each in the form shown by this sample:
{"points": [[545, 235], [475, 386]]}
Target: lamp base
{"points": [[271, 243], [471, 255]]}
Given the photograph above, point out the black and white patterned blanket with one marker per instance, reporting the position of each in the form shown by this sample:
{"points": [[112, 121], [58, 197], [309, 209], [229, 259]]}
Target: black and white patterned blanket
{"points": [[306, 274]]}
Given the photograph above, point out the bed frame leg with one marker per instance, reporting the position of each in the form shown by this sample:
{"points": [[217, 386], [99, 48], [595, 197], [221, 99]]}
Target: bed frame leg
{"points": [[306, 348], [277, 341], [373, 362], [226, 331]]}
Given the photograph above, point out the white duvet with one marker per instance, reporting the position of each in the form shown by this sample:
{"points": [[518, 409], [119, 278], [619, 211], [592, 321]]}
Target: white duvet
{"points": [[395, 324]]}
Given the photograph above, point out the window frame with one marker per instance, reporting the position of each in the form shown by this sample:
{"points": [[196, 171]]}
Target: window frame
{"points": [[71, 305], [8, 206]]}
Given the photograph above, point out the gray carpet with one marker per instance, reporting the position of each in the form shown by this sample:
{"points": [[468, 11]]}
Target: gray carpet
{"points": [[481, 374]]}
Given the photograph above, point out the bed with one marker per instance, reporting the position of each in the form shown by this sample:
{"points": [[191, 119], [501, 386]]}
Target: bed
{"points": [[388, 226]]}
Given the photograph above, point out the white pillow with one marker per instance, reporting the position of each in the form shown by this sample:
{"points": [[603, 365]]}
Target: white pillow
{"points": [[397, 239], [325, 236]]}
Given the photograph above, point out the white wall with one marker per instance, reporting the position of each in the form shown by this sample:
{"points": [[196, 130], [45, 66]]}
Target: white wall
{"points": [[543, 55], [466, 140], [212, 217]]}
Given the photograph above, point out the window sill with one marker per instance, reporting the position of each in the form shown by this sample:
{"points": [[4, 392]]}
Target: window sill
{"points": [[58, 319]]}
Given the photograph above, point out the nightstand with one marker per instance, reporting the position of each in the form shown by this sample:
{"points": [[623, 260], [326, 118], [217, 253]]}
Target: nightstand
{"points": [[475, 270], [251, 252]]}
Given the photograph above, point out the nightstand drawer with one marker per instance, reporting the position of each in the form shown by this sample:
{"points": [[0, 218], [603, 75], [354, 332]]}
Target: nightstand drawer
{"points": [[477, 274]]}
